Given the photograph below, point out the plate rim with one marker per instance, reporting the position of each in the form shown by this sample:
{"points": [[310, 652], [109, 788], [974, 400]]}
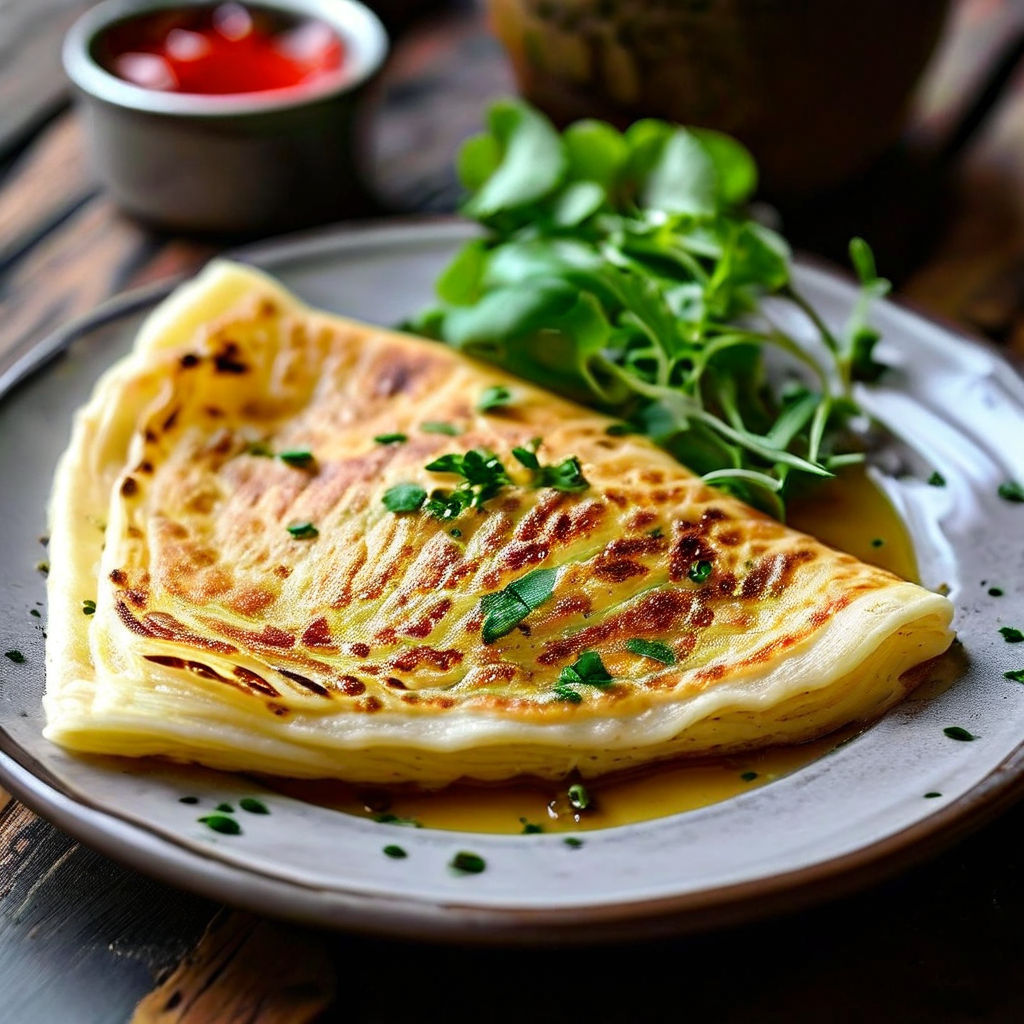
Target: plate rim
{"points": [[134, 845]]}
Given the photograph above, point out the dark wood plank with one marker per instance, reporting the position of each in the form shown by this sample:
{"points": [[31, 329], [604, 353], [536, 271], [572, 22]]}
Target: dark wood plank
{"points": [[32, 81]]}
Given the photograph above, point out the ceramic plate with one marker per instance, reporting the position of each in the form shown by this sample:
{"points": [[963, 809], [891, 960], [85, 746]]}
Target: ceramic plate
{"points": [[843, 820]]}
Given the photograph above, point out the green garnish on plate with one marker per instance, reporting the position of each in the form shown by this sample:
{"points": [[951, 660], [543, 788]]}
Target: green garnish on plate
{"points": [[622, 269]]}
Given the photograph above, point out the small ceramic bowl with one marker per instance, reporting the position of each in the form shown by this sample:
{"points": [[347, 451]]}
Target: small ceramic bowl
{"points": [[239, 164]]}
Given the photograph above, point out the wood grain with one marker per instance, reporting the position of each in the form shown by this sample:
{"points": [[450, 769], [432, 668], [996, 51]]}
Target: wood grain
{"points": [[245, 969]]}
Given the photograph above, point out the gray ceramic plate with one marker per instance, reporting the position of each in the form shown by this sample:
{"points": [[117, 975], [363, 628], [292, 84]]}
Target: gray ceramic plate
{"points": [[843, 820]]}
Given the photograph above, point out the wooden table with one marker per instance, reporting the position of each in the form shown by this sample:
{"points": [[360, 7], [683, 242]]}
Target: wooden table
{"points": [[82, 939]]}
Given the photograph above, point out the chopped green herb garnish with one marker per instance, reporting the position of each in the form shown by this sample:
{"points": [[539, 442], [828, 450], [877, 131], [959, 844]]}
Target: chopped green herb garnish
{"points": [[620, 430], [88, 607], [387, 818], [222, 823], [529, 828], [16, 656], [573, 842], [877, 542], [225, 808], [651, 649], [404, 498], [467, 863], [35, 613], [995, 592], [303, 531], [1017, 676], [188, 799], [526, 457], [395, 852], [494, 397], [260, 449], [699, 572], [433, 427], [1011, 635], [455, 532], [748, 776], [587, 670], [579, 798], [253, 806], [391, 438], [931, 796], [505, 609], [937, 479], [567, 693], [956, 732], [300, 458], [1011, 491], [483, 475], [567, 476], [43, 567], [448, 505]]}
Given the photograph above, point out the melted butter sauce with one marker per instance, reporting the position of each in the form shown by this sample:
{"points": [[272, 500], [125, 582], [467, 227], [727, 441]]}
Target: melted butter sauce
{"points": [[849, 513]]}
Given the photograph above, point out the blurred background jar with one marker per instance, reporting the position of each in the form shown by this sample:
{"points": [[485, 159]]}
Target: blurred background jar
{"points": [[817, 89]]}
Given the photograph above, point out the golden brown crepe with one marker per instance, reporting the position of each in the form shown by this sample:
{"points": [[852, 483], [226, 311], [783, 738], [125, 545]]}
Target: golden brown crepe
{"points": [[364, 645]]}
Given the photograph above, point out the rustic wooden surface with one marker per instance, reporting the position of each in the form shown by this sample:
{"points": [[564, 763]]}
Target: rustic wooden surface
{"points": [[82, 939]]}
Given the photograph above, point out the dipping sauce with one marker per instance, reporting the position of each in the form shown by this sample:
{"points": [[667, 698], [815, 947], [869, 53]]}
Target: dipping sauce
{"points": [[223, 49]]}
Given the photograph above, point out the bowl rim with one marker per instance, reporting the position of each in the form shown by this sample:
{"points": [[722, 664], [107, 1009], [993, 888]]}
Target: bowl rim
{"points": [[360, 29]]}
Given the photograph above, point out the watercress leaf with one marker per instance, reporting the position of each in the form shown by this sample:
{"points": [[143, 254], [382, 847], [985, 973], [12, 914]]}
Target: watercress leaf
{"points": [[404, 498], [460, 282], [505, 609], [863, 260], [735, 169], [532, 161], [494, 397], [760, 256], [478, 158], [595, 151], [680, 177], [651, 649], [576, 202]]}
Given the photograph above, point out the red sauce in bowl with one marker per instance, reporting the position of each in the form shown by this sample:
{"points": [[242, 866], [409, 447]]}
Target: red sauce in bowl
{"points": [[224, 49]]}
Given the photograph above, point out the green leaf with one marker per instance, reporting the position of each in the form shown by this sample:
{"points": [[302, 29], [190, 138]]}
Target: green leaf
{"points": [[495, 397], [1011, 635], [957, 732], [1011, 491], [505, 609], [304, 530], [567, 476], [735, 169], [478, 158], [596, 152], [532, 160], [466, 863], [526, 457], [587, 670], [404, 498], [579, 797], [253, 806], [390, 438], [937, 479], [221, 823], [863, 260], [299, 458], [651, 649], [460, 282], [436, 427], [679, 176], [576, 202]]}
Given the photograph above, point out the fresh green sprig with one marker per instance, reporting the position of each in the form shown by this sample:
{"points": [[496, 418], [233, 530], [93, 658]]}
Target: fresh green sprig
{"points": [[620, 269]]}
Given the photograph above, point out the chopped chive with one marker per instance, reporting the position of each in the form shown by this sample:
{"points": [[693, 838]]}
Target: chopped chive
{"points": [[43, 567], [300, 458], [253, 806], [395, 852], [387, 818], [579, 798], [395, 438], [748, 776], [404, 498], [573, 842], [1017, 676], [505, 609], [651, 649], [937, 479], [188, 799], [1011, 635], [221, 823], [932, 795], [434, 427], [303, 531], [16, 656], [526, 457], [467, 863], [699, 572], [494, 397], [877, 542], [1011, 491], [225, 808], [35, 613], [956, 732], [996, 592], [529, 828], [88, 607]]}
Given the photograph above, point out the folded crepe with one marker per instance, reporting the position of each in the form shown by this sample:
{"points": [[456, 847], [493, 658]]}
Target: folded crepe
{"points": [[243, 500]]}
